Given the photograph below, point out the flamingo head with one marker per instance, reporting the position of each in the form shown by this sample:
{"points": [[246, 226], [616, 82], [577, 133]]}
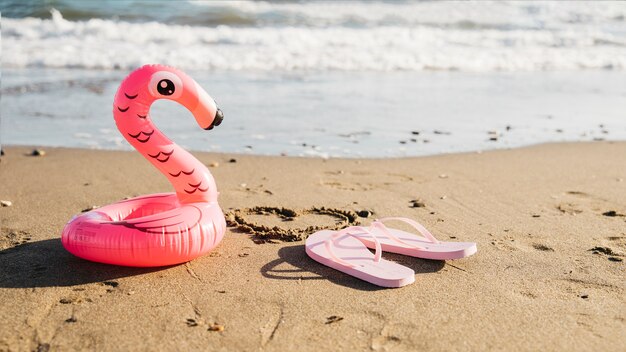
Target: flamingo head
{"points": [[164, 82]]}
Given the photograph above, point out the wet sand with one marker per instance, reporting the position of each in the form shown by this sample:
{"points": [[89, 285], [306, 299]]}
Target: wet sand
{"points": [[549, 220]]}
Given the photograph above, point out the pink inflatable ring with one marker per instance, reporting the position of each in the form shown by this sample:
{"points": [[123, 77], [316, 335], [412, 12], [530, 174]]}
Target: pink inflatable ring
{"points": [[157, 229]]}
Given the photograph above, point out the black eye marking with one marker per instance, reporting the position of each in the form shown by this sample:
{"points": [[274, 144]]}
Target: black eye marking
{"points": [[142, 116], [123, 110], [131, 96], [165, 87]]}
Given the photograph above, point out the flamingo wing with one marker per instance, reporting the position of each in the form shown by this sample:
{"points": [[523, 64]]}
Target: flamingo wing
{"points": [[170, 221]]}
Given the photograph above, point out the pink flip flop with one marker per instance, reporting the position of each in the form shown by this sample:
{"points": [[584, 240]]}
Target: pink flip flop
{"points": [[341, 251], [405, 243]]}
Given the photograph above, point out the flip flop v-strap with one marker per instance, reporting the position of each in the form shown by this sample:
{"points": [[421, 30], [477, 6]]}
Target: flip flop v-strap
{"points": [[401, 242]]}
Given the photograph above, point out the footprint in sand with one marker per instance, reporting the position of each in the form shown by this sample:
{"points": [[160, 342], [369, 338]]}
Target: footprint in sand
{"points": [[517, 241], [577, 202], [13, 238], [81, 295], [362, 180], [614, 248], [356, 186], [542, 247], [268, 223], [38, 271]]}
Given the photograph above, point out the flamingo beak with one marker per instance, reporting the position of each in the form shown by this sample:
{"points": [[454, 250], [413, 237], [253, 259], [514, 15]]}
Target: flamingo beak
{"points": [[207, 114], [219, 117]]}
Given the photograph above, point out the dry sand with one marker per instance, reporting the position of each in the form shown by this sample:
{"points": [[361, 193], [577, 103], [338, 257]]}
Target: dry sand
{"points": [[535, 283]]}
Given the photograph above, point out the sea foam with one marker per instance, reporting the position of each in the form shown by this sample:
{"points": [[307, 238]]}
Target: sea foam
{"points": [[336, 36]]}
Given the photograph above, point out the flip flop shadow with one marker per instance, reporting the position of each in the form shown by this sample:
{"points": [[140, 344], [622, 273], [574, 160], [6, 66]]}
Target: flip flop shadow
{"points": [[308, 269]]}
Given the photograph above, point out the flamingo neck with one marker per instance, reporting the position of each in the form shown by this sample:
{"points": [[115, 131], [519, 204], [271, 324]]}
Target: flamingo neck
{"points": [[190, 178]]}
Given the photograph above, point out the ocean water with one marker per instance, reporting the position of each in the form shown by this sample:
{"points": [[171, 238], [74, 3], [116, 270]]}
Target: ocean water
{"points": [[351, 79]]}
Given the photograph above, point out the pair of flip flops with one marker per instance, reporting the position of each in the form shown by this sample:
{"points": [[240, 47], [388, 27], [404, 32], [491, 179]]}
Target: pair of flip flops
{"points": [[347, 251]]}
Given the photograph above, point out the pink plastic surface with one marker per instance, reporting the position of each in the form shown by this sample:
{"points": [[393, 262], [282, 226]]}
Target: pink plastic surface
{"points": [[343, 252], [158, 229]]}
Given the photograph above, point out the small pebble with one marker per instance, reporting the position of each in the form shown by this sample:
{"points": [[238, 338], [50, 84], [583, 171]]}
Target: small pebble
{"points": [[214, 164], [6, 203], [443, 197], [38, 152], [558, 130], [364, 213], [333, 319], [441, 132], [584, 296], [417, 203], [216, 327], [233, 160], [610, 213], [443, 176], [402, 142], [70, 320], [191, 322], [615, 259], [130, 293], [243, 184], [89, 209], [536, 215], [493, 139], [415, 133], [508, 128], [1, 152], [65, 301]]}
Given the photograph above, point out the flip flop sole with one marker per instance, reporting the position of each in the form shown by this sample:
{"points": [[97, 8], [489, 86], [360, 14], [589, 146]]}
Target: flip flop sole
{"points": [[351, 250]]}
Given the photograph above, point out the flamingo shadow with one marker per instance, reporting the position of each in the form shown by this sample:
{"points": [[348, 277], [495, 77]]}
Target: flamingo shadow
{"points": [[47, 264], [308, 269]]}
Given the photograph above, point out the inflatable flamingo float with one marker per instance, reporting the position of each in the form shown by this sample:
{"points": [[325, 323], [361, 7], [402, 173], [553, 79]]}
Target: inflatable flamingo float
{"points": [[157, 229]]}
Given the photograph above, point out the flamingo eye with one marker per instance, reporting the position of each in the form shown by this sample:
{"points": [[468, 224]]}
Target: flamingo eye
{"points": [[164, 84], [165, 87]]}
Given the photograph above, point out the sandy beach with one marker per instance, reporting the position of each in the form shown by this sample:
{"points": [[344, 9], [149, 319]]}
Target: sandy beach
{"points": [[549, 220]]}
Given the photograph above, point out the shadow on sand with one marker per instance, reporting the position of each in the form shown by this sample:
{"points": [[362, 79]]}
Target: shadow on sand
{"points": [[46, 263], [309, 269]]}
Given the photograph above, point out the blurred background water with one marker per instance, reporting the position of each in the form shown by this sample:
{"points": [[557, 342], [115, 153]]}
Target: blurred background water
{"points": [[343, 78]]}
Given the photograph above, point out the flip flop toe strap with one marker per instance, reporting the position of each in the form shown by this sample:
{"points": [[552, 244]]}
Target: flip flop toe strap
{"points": [[328, 244], [417, 226]]}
